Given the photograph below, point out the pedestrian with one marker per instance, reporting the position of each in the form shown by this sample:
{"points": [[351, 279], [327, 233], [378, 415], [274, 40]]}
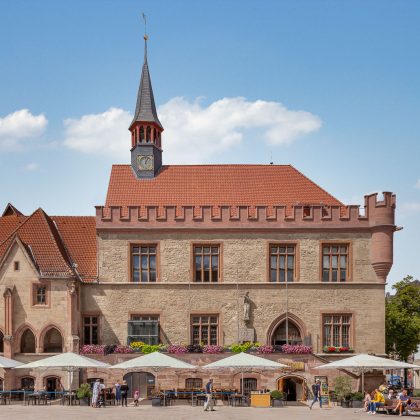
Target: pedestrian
{"points": [[117, 387], [316, 390], [124, 393], [136, 397], [95, 393], [209, 396]]}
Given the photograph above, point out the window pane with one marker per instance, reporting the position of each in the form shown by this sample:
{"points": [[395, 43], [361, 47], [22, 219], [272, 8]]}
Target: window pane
{"points": [[144, 276], [196, 320], [327, 336], [152, 250], [214, 276], [204, 319], [136, 276], [213, 334], [289, 275], [152, 262], [87, 334], [144, 262], [282, 250], [334, 275], [214, 262], [273, 261], [273, 276], [343, 249], [206, 276], [144, 250], [152, 276], [343, 261], [213, 319], [274, 249], [136, 261], [325, 275], [94, 335], [343, 275], [326, 249], [336, 335], [198, 249], [334, 250], [282, 261], [326, 261], [282, 275], [290, 260], [334, 261], [136, 250], [206, 262], [206, 250], [205, 334], [215, 250]]}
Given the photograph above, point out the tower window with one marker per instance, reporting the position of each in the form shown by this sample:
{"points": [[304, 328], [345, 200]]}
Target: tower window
{"points": [[141, 134], [148, 134]]}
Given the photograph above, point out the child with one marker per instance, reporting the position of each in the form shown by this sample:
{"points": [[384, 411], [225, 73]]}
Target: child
{"points": [[367, 401], [136, 397]]}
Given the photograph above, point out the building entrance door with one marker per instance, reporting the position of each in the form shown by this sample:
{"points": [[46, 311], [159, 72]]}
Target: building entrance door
{"points": [[293, 387], [144, 382]]}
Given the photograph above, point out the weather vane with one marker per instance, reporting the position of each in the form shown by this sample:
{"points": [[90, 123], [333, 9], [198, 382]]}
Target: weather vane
{"points": [[145, 26]]}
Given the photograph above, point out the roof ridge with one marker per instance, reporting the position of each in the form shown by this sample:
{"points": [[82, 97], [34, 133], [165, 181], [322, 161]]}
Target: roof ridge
{"points": [[217, 164]]}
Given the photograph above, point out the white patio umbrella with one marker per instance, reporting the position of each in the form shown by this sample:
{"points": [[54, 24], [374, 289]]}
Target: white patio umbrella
{"points": [[7, 363], [68, 362], [244, 361], [156, 361], [363, 362]]}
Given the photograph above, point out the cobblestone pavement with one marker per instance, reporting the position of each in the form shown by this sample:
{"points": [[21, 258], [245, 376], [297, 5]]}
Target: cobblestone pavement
{"points": [[181, 412]]}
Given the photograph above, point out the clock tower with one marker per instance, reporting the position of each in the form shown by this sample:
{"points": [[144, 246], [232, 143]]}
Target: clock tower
{"points": [[146, 129]]}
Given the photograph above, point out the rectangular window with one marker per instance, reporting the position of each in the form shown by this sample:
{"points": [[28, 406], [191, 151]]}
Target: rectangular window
{"points": [[336, 330], [335, 260], [143, 261], [206, 263], [91, 329], [16, 265], [40, 294], [143, 328], [205, 329], [282, 263]]}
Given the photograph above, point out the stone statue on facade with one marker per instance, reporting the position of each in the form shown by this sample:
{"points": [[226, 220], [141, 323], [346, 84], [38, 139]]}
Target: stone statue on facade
{"points": [[247, 307]]}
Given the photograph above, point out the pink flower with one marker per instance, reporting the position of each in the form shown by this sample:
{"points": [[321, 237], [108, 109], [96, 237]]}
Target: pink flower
{"points": [[213, 349], [176, 349]]}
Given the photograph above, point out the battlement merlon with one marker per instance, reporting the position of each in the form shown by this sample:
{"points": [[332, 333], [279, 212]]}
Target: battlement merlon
{"points": [[377, 213]]}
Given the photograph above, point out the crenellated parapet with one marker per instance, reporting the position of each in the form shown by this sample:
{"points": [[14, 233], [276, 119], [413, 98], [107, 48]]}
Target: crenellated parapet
{"points": [[376, 213]]}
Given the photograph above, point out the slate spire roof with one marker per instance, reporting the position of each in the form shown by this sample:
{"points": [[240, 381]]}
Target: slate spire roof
{"points": [[145, 107]]}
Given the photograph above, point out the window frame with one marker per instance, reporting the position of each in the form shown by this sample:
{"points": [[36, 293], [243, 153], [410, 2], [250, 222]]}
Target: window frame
{"points": [[148, 244], [205, 314], [200, 380], [351, 335], [296, 268], [99, 326], [145, 315], [34, 294], [206, 244], [336, 243]]}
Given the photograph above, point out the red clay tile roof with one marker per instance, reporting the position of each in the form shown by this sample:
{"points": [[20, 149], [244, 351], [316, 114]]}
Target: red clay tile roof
{"points": [[216, 185], [54, 243], [79, 235]]}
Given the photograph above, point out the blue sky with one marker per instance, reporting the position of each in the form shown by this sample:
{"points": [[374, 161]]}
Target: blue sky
{"points": [[351, 68]]}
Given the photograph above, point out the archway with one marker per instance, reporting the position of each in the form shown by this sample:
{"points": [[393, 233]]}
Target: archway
{"points": [[293, 386], [53, 341], [142, 381], [52, 385], [27, 383], [279, 334], [27, 342]]}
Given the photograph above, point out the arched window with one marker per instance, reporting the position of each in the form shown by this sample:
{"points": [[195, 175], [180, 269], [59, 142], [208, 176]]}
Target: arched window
{"points": [[193, 383], [141, 134], [27, 342], [53, 342], [279, 335], [27, 383], [1, 342], [148, 134]]}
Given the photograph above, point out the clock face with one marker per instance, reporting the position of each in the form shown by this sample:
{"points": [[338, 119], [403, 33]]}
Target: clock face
{"points": [[145, 163]]}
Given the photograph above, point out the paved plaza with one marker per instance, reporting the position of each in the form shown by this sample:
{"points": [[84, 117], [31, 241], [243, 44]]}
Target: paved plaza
{"points": [[180, 412]]}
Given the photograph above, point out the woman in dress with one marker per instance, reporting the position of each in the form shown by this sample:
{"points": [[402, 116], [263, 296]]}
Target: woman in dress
{"points": [[95, 393]]}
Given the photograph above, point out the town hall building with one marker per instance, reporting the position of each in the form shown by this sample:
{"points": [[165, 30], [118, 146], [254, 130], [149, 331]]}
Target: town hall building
{"points": [[196, 255]]}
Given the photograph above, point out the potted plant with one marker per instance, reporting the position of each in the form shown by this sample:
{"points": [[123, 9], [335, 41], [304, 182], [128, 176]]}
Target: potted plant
{"points": [[357, 400], [277, 398], [342, 389], [156, 400], [84, 394]]}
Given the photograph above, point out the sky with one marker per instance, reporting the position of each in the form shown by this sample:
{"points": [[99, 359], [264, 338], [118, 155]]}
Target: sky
{"points": [[331, 87]]}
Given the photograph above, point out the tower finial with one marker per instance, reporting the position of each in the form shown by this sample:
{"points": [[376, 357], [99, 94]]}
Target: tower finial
{"points": [[145, 37]]}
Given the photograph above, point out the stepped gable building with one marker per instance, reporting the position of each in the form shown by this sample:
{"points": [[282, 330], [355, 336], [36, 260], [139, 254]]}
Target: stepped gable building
{"points": [[196, 254]]}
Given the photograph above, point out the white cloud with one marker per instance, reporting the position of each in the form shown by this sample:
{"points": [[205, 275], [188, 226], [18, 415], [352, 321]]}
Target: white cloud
{"points": [[417, 184], [105, 133], [32, 167], [18, 126], [193, 132]]}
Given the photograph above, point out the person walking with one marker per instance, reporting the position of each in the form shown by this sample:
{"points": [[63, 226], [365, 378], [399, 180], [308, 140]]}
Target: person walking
{"points": [[209, 396], [117, 387], [316, 390], [95, 393], [124, 393]]}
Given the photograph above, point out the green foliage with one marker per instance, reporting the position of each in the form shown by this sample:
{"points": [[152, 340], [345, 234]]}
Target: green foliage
{"points": [[150, 348], [276, 395], [84, 391], [357, 396], [416, 393], [240, 348], [342, 387], [402, 312]]}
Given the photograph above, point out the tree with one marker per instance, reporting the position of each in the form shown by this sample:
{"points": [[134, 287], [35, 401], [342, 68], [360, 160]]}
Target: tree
{"points": [[402, 314]]}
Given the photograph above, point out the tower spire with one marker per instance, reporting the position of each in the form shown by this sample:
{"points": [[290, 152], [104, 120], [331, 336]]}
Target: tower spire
{"points": [[146, 129]]}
